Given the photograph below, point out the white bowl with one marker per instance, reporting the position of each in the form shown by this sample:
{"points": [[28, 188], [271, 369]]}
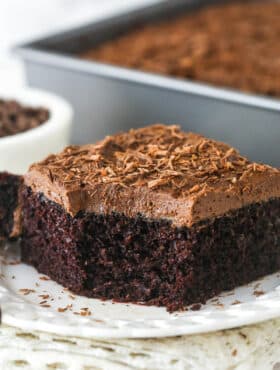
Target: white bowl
{"points": [[19, 151]]}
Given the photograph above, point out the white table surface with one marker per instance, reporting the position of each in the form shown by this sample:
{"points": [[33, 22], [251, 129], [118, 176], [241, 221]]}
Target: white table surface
{"points": [[248, 348]]}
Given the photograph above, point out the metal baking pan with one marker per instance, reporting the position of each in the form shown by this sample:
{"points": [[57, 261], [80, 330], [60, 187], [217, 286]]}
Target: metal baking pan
{"points": [[108, 99]]}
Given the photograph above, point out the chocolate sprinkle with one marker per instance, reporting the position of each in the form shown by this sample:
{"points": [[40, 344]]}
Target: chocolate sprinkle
{"points": [[158, 157]]}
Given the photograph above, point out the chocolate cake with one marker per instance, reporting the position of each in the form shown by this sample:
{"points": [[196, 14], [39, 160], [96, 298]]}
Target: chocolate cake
{"points": [[16, 118], [234, 45], [154, 216], [10, 186]]}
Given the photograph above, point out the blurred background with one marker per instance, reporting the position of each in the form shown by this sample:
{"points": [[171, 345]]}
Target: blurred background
{"points": [[23, 20], [239, 55]]}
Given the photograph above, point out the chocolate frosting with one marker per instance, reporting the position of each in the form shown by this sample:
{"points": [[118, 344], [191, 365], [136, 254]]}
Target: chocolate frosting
{"points": [[157, 171]]}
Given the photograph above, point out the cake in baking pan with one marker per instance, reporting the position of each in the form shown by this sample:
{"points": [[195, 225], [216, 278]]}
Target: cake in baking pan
{"points": [[233, 44]]}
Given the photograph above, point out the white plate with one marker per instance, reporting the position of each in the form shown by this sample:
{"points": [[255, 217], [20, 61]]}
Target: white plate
{"points": [[22, 289]]}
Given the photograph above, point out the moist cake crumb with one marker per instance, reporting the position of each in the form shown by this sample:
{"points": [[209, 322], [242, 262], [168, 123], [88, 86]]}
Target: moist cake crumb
{"points": [[10, 220]]}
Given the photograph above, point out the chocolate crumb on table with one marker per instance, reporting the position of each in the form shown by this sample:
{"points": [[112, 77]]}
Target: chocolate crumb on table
{"points": [[258, 293], [44, 296], [233, 45], [26, 291], [196, 307], [66, 308], [219, 305], [154, 215], [44, 278]]}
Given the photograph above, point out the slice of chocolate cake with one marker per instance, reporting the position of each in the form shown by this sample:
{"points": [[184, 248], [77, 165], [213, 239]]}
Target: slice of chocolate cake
{"points": [[154, 215], [9, 207]]}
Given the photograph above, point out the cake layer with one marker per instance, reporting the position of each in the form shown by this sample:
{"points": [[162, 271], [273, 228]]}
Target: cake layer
{"points": [[9, 210], [159, 172], [112, 256], [234, 45]]}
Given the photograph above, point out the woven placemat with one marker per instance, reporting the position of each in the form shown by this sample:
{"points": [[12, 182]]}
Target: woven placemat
{"points": [[253, 347]]}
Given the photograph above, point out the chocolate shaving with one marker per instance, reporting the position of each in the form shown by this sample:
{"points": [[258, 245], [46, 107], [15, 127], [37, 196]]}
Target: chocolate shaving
{"points": [[258, 293], [26, 291], [158, 157]]}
